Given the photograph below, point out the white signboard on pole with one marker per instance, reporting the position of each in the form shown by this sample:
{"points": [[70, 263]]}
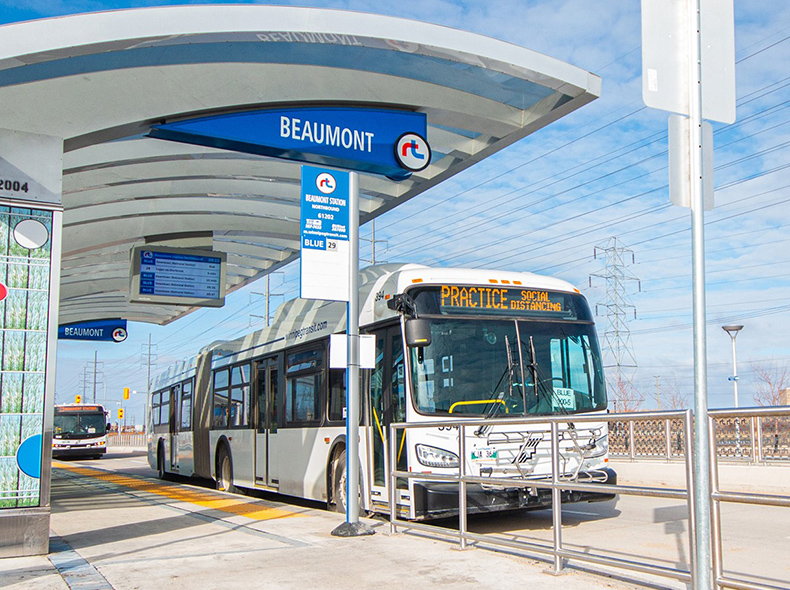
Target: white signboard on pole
{"points": [[324, 237], [665, 55]]}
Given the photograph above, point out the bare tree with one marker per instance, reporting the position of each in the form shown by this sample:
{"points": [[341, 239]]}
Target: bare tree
{"points": [[676, 398], [772, 379], [624, 396]]}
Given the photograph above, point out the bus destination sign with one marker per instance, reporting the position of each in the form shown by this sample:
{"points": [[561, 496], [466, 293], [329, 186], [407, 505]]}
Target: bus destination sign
{"points": [[488, 298], [501, 301]]}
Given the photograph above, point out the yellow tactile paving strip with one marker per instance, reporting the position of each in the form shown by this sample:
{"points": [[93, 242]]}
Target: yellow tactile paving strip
{"points": [[239, 507]]}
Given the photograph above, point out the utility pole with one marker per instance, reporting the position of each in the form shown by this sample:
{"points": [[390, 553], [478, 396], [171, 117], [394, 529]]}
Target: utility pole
{"points": [[267, 295], [373, 241], [658, 392], [95, 369], [149, 359]]}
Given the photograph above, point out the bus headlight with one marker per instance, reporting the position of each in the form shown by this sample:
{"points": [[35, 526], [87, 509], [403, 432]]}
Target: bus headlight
{"points": [[433, 457]]}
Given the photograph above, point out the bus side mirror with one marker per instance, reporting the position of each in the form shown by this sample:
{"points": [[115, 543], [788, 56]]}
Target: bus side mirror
{"points": [[108, 426], [418, 333]]}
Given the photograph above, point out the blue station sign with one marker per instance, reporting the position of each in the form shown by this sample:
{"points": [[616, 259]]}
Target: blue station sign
{"points": [[97, 330], [379, 141]]}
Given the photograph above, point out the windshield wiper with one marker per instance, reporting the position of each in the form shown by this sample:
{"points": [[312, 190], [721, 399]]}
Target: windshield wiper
{"points": [[496, 398], [540, 381]]}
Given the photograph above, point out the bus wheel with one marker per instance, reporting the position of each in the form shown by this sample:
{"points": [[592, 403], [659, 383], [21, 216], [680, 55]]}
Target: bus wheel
{"points": [[339, 484], [160, 462], [224, 477]]}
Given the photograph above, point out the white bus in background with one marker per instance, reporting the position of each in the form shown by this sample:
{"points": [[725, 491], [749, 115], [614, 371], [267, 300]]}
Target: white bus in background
{"points": [[79, 430], [267, 412]]}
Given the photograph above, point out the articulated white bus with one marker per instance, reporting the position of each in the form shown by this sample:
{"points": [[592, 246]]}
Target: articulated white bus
{"points": [[267, 412]]}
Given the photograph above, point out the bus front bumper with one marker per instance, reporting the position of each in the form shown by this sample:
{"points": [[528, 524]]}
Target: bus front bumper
{"points": [[78, 451], [440, 500]]}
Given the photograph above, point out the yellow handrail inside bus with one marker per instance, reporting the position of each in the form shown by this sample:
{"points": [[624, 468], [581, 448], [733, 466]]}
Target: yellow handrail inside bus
{"points": [[381, 433], [481, 401]]}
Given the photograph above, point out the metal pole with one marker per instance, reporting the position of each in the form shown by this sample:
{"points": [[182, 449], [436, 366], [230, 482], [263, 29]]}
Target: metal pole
{"points": [[462, 521], [556, 497], [352, 527], [352, 421], [734, 370], [716, 508], [703, 564], [735, 394]]}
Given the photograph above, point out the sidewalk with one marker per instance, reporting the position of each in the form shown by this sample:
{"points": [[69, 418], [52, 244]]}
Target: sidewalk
{"points": [[125, 532]]}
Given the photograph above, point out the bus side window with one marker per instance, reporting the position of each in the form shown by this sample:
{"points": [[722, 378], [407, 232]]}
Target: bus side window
{"points": [[240, 396], [221, 398], [155, 401], [337, 395], [304, 372], [186, 406]]}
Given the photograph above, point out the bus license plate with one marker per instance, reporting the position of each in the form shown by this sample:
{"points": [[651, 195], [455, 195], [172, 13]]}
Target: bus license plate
{"points": [[484, 454]]}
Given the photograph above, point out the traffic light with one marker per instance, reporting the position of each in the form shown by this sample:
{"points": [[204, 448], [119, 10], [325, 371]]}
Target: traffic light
{"points": [[120, 413], [77, 399], [125, 393]]}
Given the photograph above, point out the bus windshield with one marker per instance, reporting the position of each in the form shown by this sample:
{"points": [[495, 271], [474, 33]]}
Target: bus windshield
{"points": [[76, 425], [508, 367]]}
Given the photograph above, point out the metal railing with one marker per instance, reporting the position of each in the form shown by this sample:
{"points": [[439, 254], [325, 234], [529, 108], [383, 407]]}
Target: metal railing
{"points": [[741, 436], [126, 439], [715, 420], [557, 484], [673, 422]]}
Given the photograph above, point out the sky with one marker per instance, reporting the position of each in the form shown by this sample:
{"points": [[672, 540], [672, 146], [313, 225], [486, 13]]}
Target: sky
{"points": [[555, 201]]}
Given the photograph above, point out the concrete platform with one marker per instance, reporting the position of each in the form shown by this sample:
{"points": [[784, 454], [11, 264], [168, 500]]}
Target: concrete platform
{"points": [[130, 531]]}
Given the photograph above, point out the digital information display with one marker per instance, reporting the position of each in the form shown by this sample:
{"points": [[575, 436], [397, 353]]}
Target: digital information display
{"points": [[179, 275], [473, 300]]}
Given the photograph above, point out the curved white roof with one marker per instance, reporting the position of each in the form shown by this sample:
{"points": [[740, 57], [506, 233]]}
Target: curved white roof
{"points": [[101, 80]]}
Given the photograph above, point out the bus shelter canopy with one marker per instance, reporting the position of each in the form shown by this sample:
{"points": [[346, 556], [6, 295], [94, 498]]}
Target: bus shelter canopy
{"points": [[101, 80]]}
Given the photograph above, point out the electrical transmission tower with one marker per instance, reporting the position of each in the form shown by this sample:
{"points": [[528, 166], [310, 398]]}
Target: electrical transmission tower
{"points": [[617, 348]]}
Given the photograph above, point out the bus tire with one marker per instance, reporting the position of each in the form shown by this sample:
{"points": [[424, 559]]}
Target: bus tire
{"points": [[339, 485], [160, 462], [224, 477]]}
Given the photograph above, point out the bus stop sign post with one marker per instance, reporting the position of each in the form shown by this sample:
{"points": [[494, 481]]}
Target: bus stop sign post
{"points": [[352, 527], [688, 67]]}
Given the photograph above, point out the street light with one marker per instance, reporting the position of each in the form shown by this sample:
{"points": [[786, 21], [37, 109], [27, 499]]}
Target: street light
{"points": [[733, 332]]}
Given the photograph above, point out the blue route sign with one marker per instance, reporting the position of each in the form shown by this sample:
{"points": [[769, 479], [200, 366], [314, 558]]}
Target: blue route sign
{"points": [[97, 330], [379, 141]]}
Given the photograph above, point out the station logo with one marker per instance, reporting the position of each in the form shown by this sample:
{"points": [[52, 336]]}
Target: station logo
{"points": [[413, 152], [325, 183], [119, 334]]}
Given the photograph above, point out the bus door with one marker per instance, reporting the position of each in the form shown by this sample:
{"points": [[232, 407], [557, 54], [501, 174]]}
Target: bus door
{"points": [[267, 382], [174, 425], [387, 405]]}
